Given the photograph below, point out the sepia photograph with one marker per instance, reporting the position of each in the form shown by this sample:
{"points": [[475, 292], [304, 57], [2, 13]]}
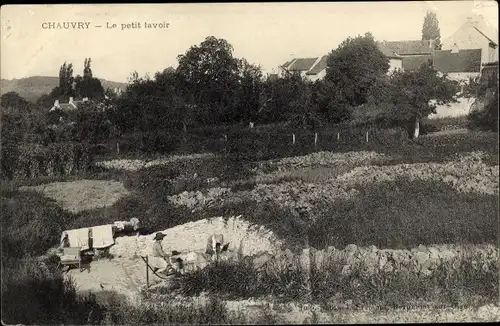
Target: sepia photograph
{"points": [[249, 163]]}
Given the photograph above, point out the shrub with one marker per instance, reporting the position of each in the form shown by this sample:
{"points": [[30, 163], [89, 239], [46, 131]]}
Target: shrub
{"points": [[406, 213], [462, 281], [52, 298], [31, 223], [169, 312], [34, 160], [231, 278]]}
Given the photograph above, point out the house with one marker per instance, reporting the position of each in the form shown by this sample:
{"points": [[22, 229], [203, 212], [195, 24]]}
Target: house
{"points": [[310, 68], [70, 106], [395, 60], [475, 33], [406, 55], [318, 71], [458, 65]]}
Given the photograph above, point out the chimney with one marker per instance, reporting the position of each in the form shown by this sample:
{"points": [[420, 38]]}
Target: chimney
{"points": [[455, 48], [71, 99]]}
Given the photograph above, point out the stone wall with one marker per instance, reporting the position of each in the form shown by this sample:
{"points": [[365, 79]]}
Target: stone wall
{"points": [[421, 260]]}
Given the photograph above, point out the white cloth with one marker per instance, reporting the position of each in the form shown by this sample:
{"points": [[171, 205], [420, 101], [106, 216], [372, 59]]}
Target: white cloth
{"points": [[103, 236], [78, 238], [120, 225]]}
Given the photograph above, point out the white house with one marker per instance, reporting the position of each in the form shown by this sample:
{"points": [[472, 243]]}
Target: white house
{"points": [[311, 68], [71, 105], [475, 33]]}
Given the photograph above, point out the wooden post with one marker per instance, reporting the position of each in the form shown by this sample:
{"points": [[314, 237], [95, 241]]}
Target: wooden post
{"points": [[118, 147], [147, 272], [315, 139], [338, 135], [293, 139], [367, 136]]}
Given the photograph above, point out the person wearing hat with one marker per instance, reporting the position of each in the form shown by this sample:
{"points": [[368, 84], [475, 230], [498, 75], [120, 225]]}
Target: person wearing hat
{"points": [[160, 260]]}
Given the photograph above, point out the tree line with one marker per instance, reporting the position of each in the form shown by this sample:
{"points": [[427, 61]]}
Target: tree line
{"points": [[211, 87]]}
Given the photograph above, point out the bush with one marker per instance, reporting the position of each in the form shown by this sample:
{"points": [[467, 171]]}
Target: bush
{"points": [[463, 281], [405, 214], [231, 278], [169, 312], [31, 223], [52, 298], [33, 160]]}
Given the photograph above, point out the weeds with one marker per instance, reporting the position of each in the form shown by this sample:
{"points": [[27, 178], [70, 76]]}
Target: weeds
{"points": [[405, 214], [463, 281]]}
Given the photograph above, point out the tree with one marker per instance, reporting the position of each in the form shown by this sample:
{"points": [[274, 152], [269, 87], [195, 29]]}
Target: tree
{"points": [[330, 103], [66, 80], [430, 29], [247, 95], [12, 100], [416, 94], [354, 67], [209, 73], [88, 86], [91, 123]]}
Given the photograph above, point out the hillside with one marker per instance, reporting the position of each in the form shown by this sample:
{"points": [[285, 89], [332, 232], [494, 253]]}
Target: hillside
{"points": [[31, 88]]}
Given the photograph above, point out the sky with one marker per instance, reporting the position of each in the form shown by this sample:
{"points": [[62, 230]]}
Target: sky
{"points": [[267, 34]]}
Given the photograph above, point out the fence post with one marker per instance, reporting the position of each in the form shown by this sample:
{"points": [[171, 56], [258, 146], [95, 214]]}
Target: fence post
{"points": [[293, 139], [147, 272], [367, 136], [338, 135], [315, 140]]}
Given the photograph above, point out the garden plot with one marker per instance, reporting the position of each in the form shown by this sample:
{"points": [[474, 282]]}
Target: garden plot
{"points": [[467, 173], [135, 165], [323, 159], [315, 167], [77, 196]]}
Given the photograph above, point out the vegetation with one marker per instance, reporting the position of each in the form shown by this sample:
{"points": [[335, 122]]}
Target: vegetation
{"points": [[430, 29], [484, 114], [466, 284]]}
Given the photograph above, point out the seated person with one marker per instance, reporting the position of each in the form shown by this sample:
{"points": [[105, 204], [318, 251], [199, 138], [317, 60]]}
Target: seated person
{"points": [[160, 261]]}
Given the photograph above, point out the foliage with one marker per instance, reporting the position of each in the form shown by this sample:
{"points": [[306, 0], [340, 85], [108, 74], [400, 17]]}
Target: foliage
{"points": [[430, 29], [354, 67], [91, 122], [416, 94], [13, 101], [210, 74], [458, 282], [379, 216], [484, 113], [52, 298], [31, 160], [30, 223]]}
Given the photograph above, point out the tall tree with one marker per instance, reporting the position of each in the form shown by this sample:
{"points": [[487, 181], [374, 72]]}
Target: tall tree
{"points": [[354, 67], [430, 29], [88, 86], [65, 89], [210, 73]]}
